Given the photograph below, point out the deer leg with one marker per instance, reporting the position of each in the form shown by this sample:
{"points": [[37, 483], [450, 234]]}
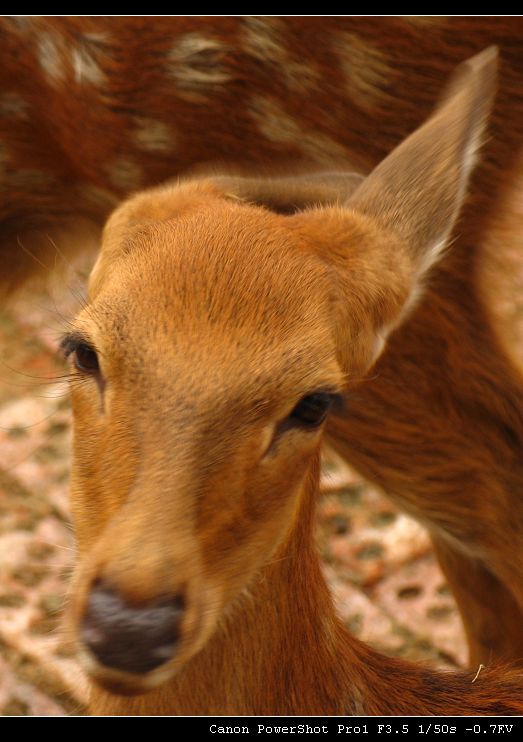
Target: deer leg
{"points": [[491, 616]]}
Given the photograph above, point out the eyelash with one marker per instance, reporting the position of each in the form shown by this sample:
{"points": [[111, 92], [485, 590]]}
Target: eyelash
{"points": [[85, 356]]}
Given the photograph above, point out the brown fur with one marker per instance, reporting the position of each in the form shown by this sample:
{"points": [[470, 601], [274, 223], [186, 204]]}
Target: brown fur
{"points": [[439, 425], [190, 477]]}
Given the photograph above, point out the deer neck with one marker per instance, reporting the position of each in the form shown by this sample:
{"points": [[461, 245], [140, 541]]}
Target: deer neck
{"points": [[271, 648]]}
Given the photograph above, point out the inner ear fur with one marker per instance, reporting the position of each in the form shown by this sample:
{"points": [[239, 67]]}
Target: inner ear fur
{"points": [[419, 189]]}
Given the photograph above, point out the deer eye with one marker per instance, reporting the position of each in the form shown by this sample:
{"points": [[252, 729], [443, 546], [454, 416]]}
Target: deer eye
{"points": [[85, 359], [312, 410]]}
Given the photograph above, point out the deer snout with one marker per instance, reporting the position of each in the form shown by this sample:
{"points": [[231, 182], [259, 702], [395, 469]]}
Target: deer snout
{"points": [[131, 638]]}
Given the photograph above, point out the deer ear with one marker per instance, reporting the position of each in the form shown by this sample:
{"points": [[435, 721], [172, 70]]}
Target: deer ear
{"points": [[418, 190], [397, 222], [291, 194]]}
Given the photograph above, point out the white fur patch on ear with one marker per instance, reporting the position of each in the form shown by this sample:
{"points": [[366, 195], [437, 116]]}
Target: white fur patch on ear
{"points": [[431, 255], [429, 259], [379, 344]]}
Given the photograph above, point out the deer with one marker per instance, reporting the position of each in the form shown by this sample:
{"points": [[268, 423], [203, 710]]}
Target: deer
{"points": [[93, 109], [227, 319]]}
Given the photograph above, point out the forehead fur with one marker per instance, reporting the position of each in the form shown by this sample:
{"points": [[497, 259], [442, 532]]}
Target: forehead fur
{"points": [[217, 283], [225, 263]]}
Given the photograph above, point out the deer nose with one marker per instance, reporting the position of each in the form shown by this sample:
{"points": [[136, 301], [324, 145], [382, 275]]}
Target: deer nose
{"points": [[134, 639]]}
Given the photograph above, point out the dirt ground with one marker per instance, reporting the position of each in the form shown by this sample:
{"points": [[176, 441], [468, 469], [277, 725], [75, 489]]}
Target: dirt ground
{"points": [[379, 563]]}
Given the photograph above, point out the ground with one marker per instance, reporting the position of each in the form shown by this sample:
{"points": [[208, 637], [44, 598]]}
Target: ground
{"points": [[379, 563]]}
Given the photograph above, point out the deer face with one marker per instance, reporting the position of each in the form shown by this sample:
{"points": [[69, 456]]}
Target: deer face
{"points": [[206, 364]]}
